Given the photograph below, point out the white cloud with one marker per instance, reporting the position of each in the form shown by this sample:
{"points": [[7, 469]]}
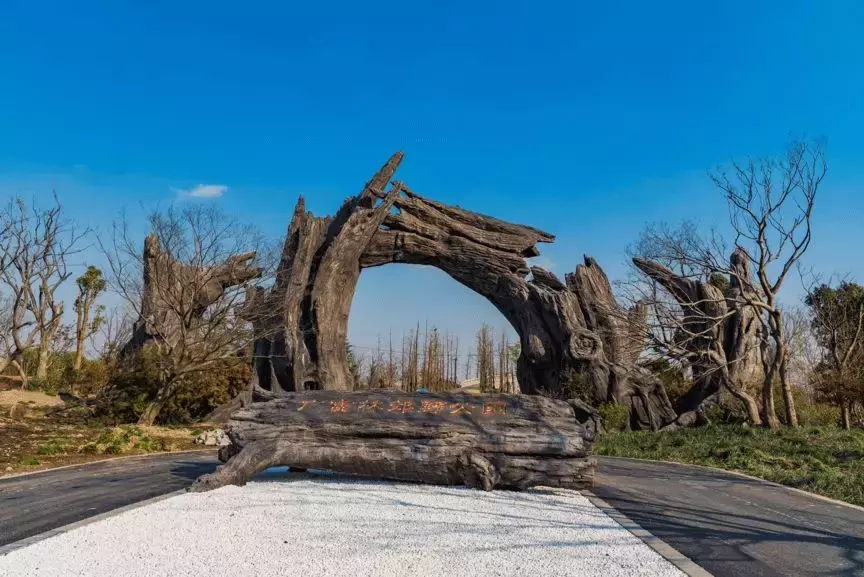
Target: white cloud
{"points": [[543, 262], [205, 191]]}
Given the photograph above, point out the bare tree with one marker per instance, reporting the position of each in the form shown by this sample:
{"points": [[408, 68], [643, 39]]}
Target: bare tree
{"points": [[771, 203], [485, 359], [114, 332], [694, 323], [391, 370], [188, 288], [34, 262], [87, 319], [770, 206], [802, 346]]}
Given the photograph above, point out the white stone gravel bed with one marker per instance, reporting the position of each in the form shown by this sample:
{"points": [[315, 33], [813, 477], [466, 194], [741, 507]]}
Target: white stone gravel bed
{"points": [[309, 525]]}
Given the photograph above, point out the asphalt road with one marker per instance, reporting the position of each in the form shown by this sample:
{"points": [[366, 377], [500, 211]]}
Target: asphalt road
{"points": [[730, 525], [31, 504], [734, 526]]}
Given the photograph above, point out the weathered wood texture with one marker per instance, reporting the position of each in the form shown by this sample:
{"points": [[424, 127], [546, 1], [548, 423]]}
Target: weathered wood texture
{"points": [[484, 441], [175, 295], [573, 336], [721, 335]]}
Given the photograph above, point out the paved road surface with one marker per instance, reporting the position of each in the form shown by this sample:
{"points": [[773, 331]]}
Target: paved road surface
{"points": [[734, 526], [49, 499], [731, 526]]}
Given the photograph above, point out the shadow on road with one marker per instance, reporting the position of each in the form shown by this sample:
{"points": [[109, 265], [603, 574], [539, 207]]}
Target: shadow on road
{"points": [[733, 525]]}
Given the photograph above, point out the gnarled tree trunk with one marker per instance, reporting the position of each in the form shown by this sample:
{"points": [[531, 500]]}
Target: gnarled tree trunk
{"points": [[484, 441], [175, 295], [719, 335]]}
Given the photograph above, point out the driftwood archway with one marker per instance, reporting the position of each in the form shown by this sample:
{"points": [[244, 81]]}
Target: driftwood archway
{"points": [[574, 336]]}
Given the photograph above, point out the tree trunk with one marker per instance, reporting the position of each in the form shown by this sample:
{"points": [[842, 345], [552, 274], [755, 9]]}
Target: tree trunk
{"points": [[148, 417], [749, 403], [42, 366], [151, 413], [175, 296], [574, 337], [79, 355], [785, 387], [769, 411], [81, 322], [845, 414], [485, 441]]}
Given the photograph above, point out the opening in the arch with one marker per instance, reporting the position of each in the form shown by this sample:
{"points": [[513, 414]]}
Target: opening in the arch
{"points": [[416, 328]]}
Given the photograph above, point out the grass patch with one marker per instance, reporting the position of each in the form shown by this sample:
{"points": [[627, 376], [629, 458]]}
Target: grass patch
{"points": [[52, 448], [28, 461], [824, 460], [121, 440]]}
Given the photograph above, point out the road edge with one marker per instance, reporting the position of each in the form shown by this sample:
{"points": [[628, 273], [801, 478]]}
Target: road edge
{"points": [[108, 460], [744, 475], [33, 539], [658, 545]]}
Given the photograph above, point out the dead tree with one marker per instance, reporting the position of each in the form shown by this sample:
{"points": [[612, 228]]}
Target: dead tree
{"points": [[187, 287], [717, 335], [567, 335], [175, 295], [484, 441], [35, 249], [770, 205]]}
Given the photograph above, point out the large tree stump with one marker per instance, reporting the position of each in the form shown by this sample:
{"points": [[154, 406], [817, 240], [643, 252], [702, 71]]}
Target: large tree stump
{"points": [[485, 441], [721, 335], [574, 338], [175, 295]]}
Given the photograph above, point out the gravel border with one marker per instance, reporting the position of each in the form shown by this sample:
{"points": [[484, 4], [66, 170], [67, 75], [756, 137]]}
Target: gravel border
{"points": [[332, 525]]}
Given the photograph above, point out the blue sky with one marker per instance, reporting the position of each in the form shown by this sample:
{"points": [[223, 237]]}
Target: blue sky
{"points": [[584, 119]]}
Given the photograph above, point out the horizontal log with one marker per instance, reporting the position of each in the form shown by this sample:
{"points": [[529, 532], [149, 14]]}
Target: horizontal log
{"points": [[486, 441]]}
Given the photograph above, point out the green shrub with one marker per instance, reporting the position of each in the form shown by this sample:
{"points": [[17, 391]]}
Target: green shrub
{"points": [[55, 447], [28, 461], [41, 385], [121, 440], [615, 417], [817, 414], [131, 389]]}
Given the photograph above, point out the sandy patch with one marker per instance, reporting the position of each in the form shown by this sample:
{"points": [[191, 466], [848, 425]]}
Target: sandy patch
{"points": [[34, 398]]}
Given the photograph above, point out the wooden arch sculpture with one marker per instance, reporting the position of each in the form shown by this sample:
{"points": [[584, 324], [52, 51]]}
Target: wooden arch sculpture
{"points": [[573, 334]]}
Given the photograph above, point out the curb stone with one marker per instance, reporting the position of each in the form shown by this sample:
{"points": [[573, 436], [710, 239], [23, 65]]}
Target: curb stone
{"points": [[672, 555], [112, 459]]}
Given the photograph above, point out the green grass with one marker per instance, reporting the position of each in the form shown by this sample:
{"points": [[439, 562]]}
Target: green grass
{"points": [[824, 460], [28, 461], [52, 448]]}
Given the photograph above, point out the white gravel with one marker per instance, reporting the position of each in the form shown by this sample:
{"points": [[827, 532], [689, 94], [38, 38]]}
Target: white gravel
{"points": [[336, 526]]}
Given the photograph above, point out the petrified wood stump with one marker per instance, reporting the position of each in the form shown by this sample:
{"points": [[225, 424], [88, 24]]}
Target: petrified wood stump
{"points": [[176, 295], [485, 441], [715, 322]]}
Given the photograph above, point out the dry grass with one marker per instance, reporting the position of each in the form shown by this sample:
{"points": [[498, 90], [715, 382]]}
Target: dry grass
{"points": [[34, 398]]}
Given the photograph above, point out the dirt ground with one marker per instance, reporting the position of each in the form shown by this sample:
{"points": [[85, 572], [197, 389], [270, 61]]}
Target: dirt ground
{"points": [[39, 441], [36, 398]]}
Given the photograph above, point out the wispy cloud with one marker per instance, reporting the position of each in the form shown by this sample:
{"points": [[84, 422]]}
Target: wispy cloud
{"points": [[205, 191], [543, 262]]}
